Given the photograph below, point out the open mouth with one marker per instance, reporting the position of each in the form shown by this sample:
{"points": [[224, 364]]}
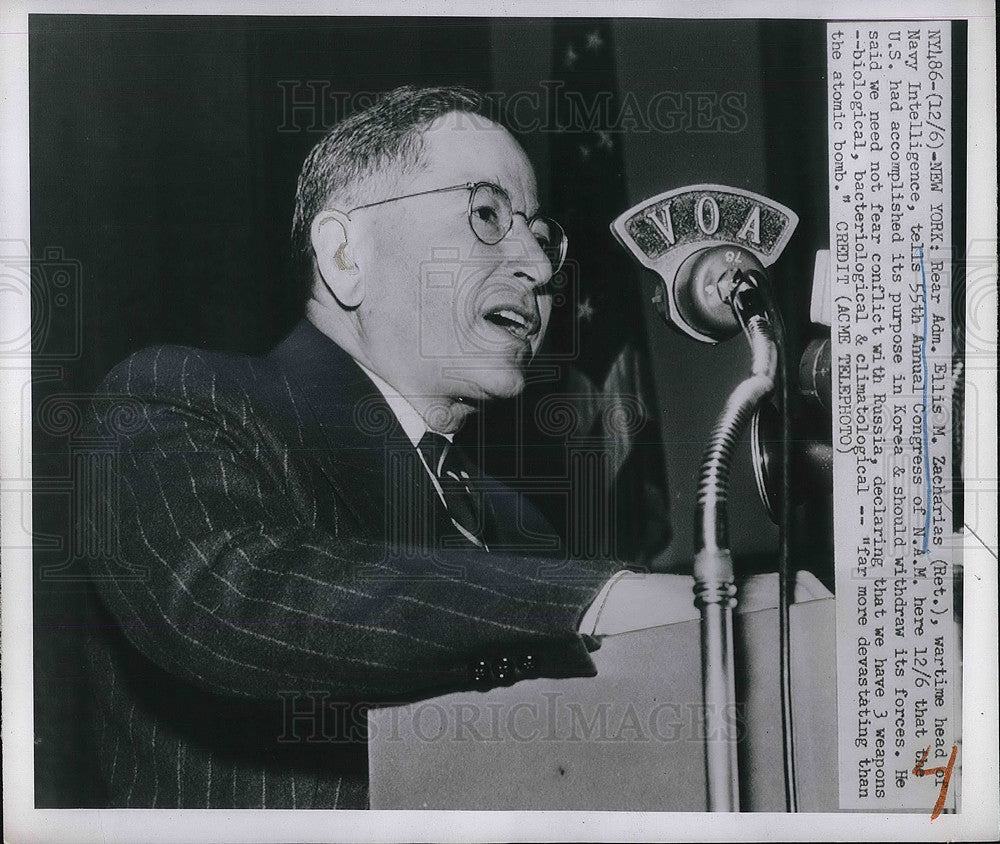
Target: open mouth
{"points": [[515, 323]]}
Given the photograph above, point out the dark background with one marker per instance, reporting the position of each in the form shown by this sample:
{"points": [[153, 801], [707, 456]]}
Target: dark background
{"points": [[163, 167]]}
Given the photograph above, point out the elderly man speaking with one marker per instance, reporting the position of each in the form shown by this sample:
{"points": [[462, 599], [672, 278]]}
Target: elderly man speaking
{"points": [[298, 539]]}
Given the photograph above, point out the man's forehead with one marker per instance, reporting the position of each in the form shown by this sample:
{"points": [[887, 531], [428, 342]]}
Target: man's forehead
{"points": [[467, 147]]}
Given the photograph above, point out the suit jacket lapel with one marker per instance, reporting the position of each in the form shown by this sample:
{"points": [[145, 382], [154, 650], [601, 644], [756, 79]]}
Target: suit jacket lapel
{"points": [[357, 442]]}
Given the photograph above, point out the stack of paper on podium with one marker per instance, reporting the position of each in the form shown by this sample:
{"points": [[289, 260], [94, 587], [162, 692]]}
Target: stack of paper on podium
{"points": [[631, 738]]}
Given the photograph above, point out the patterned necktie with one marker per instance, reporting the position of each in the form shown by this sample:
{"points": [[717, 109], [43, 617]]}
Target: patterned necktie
{"points": [[453, 472]]}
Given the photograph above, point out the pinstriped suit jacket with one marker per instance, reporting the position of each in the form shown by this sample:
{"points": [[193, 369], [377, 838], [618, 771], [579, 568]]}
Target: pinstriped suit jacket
{"points": [[283, 562]]}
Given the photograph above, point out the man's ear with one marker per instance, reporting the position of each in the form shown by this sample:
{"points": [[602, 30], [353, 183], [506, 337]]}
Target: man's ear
{"points": [[330, 235]]}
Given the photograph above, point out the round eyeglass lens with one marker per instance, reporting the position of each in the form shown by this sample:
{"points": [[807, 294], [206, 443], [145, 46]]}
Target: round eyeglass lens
{"points": [[491, 218], [490, 214], [551, 239]]}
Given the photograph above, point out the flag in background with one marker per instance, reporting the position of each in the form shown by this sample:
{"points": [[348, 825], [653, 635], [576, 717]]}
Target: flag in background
{"points": [[589, 451]]}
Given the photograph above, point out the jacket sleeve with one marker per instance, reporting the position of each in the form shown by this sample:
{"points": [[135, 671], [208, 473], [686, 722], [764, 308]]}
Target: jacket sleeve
{"points": [[219, 580]]}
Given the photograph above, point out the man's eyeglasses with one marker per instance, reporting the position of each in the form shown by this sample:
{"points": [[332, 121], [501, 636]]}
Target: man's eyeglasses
{"points": [[491, 218]]}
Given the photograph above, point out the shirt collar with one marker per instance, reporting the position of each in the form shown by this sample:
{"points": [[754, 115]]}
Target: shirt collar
{"points": [[410, 421]]}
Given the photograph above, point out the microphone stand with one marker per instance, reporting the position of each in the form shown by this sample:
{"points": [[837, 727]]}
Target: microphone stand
{"points": [[715, 592]]}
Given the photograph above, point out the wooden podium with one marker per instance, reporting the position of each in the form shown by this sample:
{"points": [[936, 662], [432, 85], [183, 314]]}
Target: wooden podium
{"points": [[630, 739]]}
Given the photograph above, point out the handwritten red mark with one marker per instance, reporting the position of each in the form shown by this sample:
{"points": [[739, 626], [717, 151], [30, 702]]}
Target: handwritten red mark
{"points": [[918, 771]]}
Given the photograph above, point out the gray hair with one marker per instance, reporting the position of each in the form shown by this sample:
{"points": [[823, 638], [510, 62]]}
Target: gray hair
{"points": [[385, 134]]}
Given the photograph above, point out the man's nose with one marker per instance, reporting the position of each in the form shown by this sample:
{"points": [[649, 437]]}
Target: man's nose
{"points": [[525, 254]]}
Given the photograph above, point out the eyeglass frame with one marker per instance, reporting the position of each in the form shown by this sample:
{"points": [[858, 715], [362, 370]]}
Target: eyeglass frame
{"points": [[472, 187]]}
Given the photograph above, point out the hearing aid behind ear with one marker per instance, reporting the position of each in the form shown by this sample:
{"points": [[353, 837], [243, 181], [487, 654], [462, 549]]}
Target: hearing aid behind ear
{"points": [[340, 258], [342, 261]]}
